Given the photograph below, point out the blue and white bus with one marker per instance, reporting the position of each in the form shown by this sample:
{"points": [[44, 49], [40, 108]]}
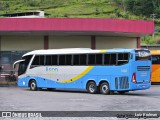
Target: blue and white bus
{"points": [[103, 71]]}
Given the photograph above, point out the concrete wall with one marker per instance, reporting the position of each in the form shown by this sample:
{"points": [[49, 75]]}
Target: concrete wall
{"points": [[69, 42], [9, 43], [19, 43], [115, 42]]}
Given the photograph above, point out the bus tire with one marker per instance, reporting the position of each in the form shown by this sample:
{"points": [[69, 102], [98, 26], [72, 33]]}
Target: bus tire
{"points": [[33, 85], [104, 88], [92, 87]]}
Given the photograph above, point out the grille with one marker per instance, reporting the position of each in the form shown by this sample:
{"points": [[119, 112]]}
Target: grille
{"points": [[143, 68], [121, 82], [116, 83]]}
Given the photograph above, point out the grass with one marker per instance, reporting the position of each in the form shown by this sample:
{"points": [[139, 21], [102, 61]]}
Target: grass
{"points": [[61, 8]]}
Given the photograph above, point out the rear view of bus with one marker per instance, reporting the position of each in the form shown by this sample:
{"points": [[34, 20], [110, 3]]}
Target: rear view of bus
{"points": [[141, 68]]}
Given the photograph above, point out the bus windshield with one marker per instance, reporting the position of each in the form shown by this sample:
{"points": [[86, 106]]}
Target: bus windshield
{"points": [[22, 68], [22, 64]]}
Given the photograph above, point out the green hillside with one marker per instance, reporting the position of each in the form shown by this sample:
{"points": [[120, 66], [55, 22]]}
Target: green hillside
{"points": [[67, 8], [121, 9]]}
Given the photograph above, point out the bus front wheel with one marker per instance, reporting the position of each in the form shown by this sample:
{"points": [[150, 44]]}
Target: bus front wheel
{"points": [[92, 87], [104, 88], [33, 85]]}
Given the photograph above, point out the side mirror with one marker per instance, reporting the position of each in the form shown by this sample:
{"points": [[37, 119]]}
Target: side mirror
{"points": [[14, 66], [17, 62]]}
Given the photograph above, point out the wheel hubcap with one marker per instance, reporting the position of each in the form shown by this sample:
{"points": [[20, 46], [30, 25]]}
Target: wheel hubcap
{"points": [[104, 88], [91, 88], [33, 85]]}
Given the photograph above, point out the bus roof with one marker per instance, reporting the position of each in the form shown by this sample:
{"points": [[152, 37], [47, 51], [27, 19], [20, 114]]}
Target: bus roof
{"points": [[155, 52], [75, 50]]}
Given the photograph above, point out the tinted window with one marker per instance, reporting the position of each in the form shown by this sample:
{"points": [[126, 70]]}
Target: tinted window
{"points": [[91, 59], [110, 59], [54, 60], [38, 60], [76, 59], [83, 59], [27, 59], [35, 60], [113, 59], [155, 59], [68, 59], [22, 68], [107, 59], [48, 60], [123, 58], [41, 60], [99, 59], [61, 59]]}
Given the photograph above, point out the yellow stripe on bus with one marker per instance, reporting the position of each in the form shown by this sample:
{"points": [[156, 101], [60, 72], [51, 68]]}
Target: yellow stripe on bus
{"points": [[103, 51], [78, 76]]}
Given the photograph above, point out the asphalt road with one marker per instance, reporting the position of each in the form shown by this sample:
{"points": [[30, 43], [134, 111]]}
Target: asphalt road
{"points": [[22, 99]]}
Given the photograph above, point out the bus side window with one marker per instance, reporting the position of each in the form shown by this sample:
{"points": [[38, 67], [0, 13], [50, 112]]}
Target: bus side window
{"points": [[76, 59], [99, 59], [61, 59], [123, 58], [83, 59], [48, 60], [38, 61], [41, 60], [91, 59], [35, 62], [107, 59], [113, 59], [55, 60], [68, 60]]}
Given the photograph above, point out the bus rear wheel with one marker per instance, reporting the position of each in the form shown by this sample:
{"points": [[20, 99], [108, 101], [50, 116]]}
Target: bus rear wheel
{"points": [[33, 85], [104, 88], [92, 87]]}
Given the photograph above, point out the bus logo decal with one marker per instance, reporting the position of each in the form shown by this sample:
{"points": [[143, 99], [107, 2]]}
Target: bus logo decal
{"points": [[51, 69]]}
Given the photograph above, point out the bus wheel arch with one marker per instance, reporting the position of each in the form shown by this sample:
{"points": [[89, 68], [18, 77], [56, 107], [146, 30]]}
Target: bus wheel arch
{"points": [[92, 87], [32, 84], [104, 87]]}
